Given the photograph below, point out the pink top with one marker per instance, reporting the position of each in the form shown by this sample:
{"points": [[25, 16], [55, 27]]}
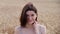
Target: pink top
{"points": [[20, 30]]}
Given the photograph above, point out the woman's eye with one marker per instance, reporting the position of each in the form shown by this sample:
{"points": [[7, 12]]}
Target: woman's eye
{"points": [[32, 15]]}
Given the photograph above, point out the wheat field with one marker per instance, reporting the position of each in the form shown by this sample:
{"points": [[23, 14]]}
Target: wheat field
{"points": [[48, 14]]}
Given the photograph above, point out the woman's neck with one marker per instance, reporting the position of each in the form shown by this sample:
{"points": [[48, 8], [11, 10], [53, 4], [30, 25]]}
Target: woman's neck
{"points": [[29, 25]]}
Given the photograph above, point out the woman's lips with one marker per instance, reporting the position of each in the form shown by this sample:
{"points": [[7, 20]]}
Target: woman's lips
{"points": [[29, 20]]}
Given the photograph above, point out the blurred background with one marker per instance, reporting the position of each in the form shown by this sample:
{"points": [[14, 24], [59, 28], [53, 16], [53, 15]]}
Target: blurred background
{"points": [[48, 14]]}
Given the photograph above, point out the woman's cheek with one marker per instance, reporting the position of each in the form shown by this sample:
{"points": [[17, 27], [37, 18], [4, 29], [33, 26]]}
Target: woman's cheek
{"points": [[34, 18]]}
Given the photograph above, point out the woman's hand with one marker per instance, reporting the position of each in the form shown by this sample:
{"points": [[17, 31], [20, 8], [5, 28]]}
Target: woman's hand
{"points": [[36, 27]]}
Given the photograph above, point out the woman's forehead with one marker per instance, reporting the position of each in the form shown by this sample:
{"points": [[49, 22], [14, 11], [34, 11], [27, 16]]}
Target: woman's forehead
{"points": [[30, 12]]}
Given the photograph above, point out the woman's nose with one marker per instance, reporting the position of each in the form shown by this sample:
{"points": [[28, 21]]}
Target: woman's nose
{"points": [[30, 18]]}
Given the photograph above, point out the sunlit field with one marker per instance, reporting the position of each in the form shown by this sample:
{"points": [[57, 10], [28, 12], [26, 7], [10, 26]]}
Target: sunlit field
{"points": [[48, 14]]}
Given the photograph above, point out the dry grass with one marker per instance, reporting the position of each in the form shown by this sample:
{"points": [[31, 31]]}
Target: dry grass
{"points": [[48, 14]]}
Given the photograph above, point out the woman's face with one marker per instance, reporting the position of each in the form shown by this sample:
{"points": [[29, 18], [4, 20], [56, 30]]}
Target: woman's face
{"points": [[31, 17]]}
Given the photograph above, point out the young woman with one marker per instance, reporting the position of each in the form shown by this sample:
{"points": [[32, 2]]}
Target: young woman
{"points": [[29, 24]]}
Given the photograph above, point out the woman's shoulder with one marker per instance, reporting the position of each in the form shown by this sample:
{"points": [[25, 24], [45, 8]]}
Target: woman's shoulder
{"points": [[42, 27], [18, 28]]}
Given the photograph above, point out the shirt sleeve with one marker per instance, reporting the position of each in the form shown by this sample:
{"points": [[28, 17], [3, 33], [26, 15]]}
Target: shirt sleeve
{"points": [[43, 30], [16, 31]]}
